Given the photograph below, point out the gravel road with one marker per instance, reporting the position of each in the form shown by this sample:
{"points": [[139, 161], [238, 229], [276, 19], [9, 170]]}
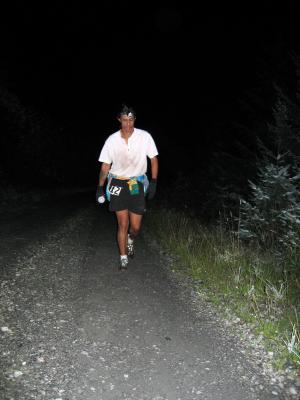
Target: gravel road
{"points": [[73, 327]]}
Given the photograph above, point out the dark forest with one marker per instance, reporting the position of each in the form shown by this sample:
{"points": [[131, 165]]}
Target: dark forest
{"points": [[204, 86]]}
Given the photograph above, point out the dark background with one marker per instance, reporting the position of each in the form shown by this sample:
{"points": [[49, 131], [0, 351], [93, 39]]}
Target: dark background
{"points": [[67, 66]]}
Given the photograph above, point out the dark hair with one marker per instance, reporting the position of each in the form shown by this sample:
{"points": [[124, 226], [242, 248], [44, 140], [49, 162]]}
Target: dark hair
{"points": [[126, 110]]}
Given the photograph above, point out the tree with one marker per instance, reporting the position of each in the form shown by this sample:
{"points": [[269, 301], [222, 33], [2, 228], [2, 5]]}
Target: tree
{"points": [[271, 217]]}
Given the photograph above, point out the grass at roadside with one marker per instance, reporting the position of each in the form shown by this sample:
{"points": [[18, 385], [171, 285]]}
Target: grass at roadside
{"points": [[236, 278]]}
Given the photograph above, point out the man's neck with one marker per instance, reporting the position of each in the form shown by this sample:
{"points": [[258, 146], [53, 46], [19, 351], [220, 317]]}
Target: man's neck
{"points": [[126, 134]]}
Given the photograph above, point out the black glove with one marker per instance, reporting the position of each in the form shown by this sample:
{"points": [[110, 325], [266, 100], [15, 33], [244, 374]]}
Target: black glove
{"points": [[152, 189], [100, 193]]}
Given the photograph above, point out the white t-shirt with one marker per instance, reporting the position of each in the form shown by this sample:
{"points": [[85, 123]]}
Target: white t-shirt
{"points": [[128, 159]]}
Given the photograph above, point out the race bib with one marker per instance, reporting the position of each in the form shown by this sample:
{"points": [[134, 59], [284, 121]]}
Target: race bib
{"points": [[115, 190]]}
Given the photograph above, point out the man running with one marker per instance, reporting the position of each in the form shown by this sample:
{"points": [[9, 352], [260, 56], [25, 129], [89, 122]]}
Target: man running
{"points": [[124, 165]]}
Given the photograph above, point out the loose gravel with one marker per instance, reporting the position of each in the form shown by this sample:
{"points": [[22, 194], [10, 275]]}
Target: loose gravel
{"points": [[73, 328]]}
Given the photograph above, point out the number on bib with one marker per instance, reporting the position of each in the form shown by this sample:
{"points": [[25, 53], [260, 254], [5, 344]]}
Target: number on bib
{"points": [[115, 190]]}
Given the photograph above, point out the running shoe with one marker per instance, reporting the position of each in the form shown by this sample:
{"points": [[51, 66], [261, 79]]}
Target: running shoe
{"points": [[130, 248], [123, 263]]}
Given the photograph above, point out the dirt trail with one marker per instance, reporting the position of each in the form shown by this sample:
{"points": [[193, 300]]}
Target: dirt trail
{"points": [[73, 327]]}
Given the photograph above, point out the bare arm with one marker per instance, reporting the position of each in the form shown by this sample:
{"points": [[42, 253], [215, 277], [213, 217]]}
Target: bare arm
{"points": [[154, 167], [103, 173]]}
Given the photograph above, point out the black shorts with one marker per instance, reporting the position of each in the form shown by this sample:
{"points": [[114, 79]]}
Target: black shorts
{"points": [[122, 199]]}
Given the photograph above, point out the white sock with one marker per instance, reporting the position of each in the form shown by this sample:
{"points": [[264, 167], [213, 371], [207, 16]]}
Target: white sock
{"points": [[124, 257], [130, 240]]}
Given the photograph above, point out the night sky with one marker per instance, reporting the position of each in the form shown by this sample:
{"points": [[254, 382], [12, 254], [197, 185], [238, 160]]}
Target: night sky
{"points": [[182, 69]]}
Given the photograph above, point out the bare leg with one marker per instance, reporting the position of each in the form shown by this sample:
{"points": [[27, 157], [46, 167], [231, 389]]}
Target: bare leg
{"points": [[135, 224], [123, 224]]}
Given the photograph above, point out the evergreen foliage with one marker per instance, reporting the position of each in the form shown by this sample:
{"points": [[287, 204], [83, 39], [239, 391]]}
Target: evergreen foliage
{"points": [[271, 216]]}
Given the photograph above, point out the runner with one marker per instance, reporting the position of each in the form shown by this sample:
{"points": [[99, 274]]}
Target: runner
{"points": [[124, 166]]}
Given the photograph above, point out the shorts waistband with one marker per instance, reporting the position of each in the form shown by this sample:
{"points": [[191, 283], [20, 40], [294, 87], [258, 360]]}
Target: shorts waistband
{"points": [[125, 178], [121, 178]]}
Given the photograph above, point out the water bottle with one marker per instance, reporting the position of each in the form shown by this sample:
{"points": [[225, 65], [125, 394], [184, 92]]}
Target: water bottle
{"points": [[101, 199]]}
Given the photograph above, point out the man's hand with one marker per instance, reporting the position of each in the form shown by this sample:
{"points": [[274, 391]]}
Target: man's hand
{"points": [[152, 189], [100, 195]]}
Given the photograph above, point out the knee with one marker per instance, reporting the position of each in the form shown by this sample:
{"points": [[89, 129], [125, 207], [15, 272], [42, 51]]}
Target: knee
{"points": [[123, 226]]}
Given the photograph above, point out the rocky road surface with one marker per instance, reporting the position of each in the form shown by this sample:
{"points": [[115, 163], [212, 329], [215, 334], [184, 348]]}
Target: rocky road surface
{"points": [[72, 327]]}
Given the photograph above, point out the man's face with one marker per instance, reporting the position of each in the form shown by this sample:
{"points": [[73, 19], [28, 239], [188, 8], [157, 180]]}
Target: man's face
{"points": [[127, 122]]}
